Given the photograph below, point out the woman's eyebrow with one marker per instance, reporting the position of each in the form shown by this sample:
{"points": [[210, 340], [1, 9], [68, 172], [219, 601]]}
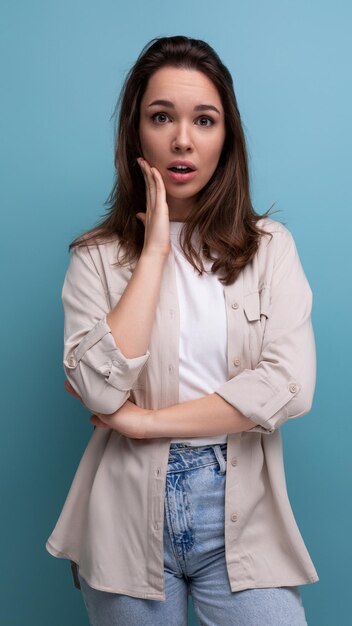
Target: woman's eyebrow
{"points": [[170, 105]]}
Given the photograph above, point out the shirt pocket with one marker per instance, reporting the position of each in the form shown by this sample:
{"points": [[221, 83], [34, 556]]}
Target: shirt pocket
{"points": [[257, 310]]}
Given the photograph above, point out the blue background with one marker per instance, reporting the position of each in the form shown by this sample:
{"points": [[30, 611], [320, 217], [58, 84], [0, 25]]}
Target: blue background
{"points": [[63, 64]]}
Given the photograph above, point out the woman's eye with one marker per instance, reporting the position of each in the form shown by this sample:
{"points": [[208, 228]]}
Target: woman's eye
{"points": [[160, 118], [205, 121]]}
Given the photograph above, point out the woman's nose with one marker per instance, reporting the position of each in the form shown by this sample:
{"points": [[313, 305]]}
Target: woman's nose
{"points": [[182, 139]]}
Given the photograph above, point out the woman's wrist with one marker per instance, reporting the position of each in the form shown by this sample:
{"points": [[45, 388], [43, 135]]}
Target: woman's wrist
{"points": [[150, 424], [155, 256]]}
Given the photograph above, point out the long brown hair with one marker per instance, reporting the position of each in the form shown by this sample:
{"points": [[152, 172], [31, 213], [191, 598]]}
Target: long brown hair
{"points": [[226, 221]]}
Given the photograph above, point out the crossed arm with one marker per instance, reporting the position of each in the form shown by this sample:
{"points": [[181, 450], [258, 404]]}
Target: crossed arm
{"points": [[204, 417]]}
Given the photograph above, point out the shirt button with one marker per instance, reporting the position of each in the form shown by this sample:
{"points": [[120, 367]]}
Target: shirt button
{"points": [[237, 362], [171, 369], [158, 471], [71, 361], [235, 305], [234, 461], [293, 388], [234, 517]]}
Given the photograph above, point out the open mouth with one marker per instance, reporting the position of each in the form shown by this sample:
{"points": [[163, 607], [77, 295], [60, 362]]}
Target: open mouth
{"points": [[180, 169], [181, 174]]}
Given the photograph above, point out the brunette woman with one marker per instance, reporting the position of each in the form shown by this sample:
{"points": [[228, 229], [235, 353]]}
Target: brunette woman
{"points": [[188, 336]]}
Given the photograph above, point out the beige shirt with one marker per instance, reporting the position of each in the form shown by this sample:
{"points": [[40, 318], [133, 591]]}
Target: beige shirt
{"points": [[112, 521]]}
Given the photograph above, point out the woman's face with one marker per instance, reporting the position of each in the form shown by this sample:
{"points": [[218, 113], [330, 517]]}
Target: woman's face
{"points": [[182, 132]]}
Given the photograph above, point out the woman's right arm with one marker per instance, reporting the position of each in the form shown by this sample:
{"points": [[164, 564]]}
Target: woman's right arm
{"points": [[131, 320], [106, 350]]}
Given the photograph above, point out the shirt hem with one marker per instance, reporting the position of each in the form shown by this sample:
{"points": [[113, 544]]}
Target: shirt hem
{"points": [[291, 582], [123, 590], [238, 586]]}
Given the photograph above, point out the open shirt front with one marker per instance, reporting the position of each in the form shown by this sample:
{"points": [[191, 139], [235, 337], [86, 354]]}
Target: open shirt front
{"points": [[112, 521]]}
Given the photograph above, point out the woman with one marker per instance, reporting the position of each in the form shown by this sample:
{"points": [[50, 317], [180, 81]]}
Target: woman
{"points": [[188, 336]]}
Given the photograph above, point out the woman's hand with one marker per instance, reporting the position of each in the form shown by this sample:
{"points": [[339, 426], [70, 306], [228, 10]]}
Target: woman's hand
{"points": [[156, 218], [129, 420]]}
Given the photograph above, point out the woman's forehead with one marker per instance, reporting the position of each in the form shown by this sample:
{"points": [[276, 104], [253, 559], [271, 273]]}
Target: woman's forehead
{"points": [[177, 84]]}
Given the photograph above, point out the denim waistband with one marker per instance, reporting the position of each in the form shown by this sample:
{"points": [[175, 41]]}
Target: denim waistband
{"points": [[185, 444], [183, 456]]}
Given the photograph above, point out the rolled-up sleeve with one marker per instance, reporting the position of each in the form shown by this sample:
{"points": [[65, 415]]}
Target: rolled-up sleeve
{"points": [[282, 385], [93, 363]]}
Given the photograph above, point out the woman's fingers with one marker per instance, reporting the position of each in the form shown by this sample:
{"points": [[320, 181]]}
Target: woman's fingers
{"points": [[152, 187], [156, 220], [160, 189], [149, 183], [71, 390], [94, 419], [154, 183]]}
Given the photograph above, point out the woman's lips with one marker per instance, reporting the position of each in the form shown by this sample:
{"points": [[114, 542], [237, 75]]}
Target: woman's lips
{"points": [[181, 177]]}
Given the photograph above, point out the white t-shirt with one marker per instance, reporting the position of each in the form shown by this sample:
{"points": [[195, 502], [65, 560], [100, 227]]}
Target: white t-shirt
{"points": [[203, 332]]}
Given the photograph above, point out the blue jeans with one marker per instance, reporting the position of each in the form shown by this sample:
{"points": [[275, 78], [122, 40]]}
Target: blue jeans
{"points": [[194, 559]]}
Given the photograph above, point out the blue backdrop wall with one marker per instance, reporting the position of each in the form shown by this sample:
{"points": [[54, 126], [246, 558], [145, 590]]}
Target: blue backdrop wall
{"points": [[63, 64]]}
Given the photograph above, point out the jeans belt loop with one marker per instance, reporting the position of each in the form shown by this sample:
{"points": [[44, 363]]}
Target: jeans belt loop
{"points": [[220, 458]]}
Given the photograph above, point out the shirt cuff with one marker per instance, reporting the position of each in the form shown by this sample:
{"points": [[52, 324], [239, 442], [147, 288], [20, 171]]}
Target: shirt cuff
{"points": [[257, 400], [99, 352]]}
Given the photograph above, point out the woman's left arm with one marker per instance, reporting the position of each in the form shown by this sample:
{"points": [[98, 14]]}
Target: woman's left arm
{"points": [[187, 419], [282, 384]]}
